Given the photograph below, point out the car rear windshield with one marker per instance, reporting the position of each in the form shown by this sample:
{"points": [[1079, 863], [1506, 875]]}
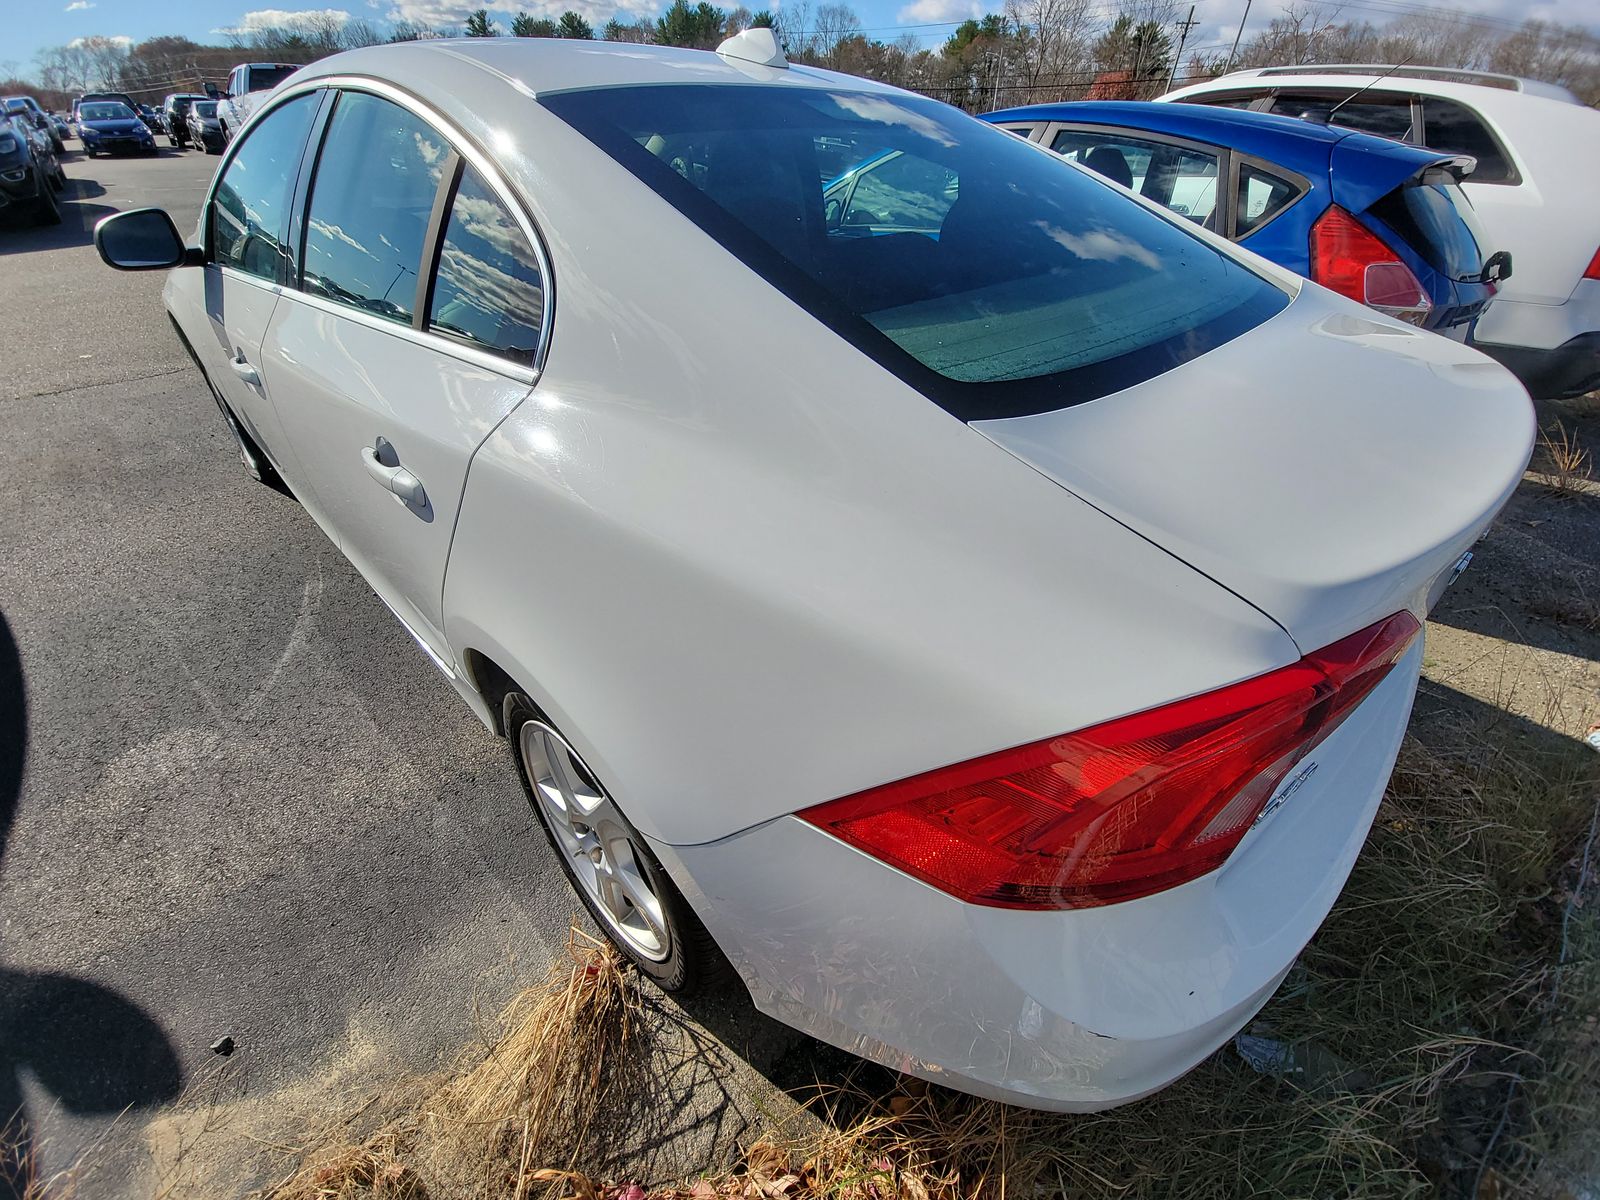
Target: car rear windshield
{"points": [[997, 279], [1437, 218], [264, 78]]}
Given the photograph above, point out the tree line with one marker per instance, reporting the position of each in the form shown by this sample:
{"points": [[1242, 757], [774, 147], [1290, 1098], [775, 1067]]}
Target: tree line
{"points": [[1028, 51]]}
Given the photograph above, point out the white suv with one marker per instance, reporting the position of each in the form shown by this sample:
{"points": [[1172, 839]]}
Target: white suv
{"points": [[1534, 188], [247, 84]]}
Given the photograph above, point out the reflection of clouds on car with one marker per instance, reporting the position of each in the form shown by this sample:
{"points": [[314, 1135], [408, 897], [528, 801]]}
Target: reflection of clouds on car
{"points": [[1102, 245], [488, 290]]}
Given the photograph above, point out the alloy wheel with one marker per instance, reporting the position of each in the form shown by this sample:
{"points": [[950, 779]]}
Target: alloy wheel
{"points": [[596, 840]]}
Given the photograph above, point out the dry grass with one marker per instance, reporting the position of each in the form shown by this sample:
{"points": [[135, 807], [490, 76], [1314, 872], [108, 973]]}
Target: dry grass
{"points": [[1456, 985], [1568, 468], [560, 1073]]}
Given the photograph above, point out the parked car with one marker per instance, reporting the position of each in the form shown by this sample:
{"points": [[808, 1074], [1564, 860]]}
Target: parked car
{"points": [[28, 108], [1381, 222], [88, 97], [62, 127], [994, 643], [107, 127], [30, 172], [175, 116], [247, 84], [205, 130], [1533, 191], [150, 117]]}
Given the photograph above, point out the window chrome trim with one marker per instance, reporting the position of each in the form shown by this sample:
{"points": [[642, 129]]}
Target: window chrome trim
{"points": [[469, 152], [427, 340]]}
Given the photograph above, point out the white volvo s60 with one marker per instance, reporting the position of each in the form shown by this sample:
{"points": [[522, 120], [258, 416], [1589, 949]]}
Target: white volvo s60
{"points": [[981, 607]]}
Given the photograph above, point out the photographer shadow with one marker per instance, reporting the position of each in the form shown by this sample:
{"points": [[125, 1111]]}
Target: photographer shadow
{"points": [[92, 1050]]}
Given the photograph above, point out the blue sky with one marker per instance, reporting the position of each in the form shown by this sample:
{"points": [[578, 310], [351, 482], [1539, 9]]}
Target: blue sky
{"points": [[54, 22]]}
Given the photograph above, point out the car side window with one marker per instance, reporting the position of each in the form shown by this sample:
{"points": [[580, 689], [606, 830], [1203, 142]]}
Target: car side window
{"points": [[900, 193], [487, 287], [371, 198], [1455, 129], [250, 209], [1262, 196], [1176, 177], [1385, 115]]}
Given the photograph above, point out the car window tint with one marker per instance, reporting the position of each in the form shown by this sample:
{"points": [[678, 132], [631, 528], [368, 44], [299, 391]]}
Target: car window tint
{"points": [[487, 289], [1175, 177], [1262, 195], [250, 212], [894, 192], [1040, 289], [371, 197], [1455, 129], [1386, 116]]}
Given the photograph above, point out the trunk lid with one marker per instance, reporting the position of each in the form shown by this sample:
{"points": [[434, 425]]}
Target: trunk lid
{"points": [[1330, 466]]}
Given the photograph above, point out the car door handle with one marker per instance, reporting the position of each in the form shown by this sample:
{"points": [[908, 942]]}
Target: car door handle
{"points": [[244, 370], [392, 475]]}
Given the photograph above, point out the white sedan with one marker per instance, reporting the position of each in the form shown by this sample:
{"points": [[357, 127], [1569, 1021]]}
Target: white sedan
{"points": [[991, 634]]}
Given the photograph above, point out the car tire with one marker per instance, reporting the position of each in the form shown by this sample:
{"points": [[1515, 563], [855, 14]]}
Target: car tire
{"points": [[46, 210], [607, 861]]}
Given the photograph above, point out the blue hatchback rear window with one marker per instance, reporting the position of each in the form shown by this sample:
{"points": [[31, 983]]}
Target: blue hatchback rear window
{"points": [[997, 279]]}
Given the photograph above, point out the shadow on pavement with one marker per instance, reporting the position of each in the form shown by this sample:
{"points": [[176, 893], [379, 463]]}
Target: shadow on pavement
{"points": [[92, 1050], [19, 235]]}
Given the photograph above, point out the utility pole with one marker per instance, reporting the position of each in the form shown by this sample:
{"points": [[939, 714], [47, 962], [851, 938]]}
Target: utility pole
{"points": [[1236, 37], [1184, 26]]}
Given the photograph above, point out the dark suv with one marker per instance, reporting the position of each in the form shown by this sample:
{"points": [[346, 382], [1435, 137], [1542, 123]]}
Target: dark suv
{"points": [[175, 116], [30, 173]]}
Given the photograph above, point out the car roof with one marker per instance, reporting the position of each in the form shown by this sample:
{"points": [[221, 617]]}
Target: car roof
{"points": [[1288, 141], [1375, 79], [503, 67]]}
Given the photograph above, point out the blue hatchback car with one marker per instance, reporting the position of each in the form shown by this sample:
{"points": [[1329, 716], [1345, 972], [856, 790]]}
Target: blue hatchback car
{"points": [[1379, 221]]}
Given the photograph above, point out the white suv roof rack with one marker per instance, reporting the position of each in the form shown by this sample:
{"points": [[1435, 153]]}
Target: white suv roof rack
{"points": [[1510, 83]]}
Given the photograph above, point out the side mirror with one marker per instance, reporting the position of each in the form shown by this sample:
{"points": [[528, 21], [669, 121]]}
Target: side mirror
{"points": [[142, 239]]}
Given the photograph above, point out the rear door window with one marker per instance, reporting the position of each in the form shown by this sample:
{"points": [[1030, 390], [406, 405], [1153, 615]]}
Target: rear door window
{"points": [[1453, 128], [1387, 116], [1181, 178], [371, 198], [1040, 288]]}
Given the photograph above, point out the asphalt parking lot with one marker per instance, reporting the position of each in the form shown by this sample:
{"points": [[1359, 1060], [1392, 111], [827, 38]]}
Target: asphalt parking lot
{"points": [[249, 807]]}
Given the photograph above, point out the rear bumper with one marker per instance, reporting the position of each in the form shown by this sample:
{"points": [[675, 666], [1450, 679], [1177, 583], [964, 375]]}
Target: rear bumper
{"points": [[1553, 348], [1073, 1011], [1570, 369]]}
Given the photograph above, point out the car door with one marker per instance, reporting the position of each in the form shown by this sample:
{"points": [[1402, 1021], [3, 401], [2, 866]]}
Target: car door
{"points": [[248, 263], [416, 330]]}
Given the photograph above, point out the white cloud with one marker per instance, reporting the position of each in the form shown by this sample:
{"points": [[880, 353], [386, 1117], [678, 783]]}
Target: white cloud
{"points": [[79, 6], [927, 12], [446, 14], [121, 39], [278, 18]]}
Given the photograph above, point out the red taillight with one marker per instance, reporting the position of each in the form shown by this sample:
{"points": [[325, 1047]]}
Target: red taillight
{"points": [[1352, 260], [1120, 810], [1594, 267]]}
